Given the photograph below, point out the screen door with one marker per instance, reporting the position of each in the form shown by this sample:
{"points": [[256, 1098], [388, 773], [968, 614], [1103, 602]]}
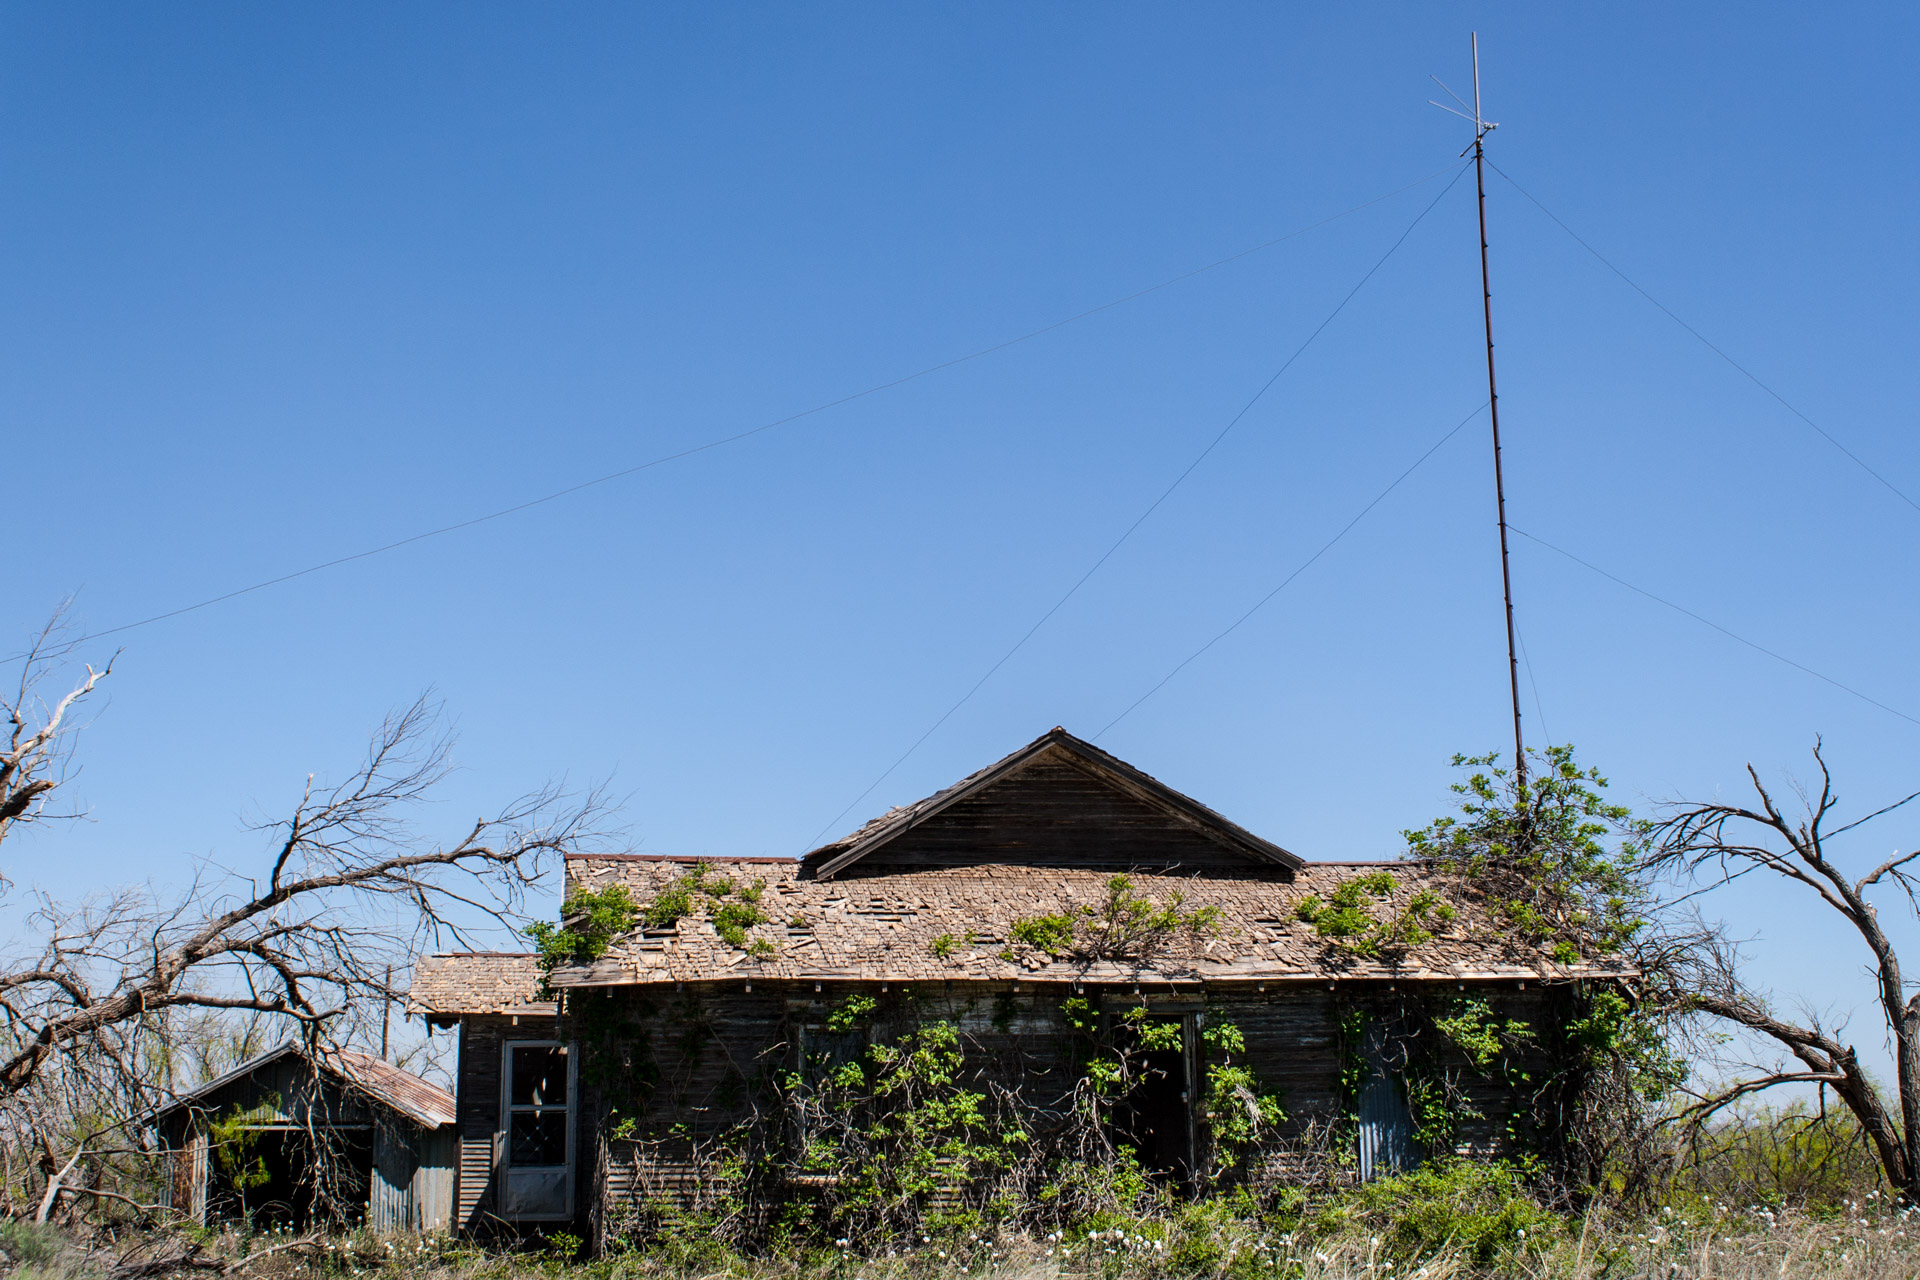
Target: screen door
{"points": [[539, 1130]]}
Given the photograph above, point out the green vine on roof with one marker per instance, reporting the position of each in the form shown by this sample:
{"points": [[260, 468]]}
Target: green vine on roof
{"points": [[1346, 918], [1550, 856], [733, 907], [591, 919], [589, 922], [1125, 926]]}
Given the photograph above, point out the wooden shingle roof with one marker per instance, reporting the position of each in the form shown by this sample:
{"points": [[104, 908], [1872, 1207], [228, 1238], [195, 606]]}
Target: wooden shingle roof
{"points": [[896, 927], [935, 890], [474, 982]]}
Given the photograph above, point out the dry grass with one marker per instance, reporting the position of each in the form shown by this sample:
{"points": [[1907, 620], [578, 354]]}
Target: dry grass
{"points": [[1713, 1245]]}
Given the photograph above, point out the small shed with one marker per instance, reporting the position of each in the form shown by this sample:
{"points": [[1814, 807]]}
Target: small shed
{"points": [[262, 1142]]}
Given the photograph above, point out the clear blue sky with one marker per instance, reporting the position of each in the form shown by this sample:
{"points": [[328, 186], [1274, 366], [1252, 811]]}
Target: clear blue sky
{"points": [[285, 284]]}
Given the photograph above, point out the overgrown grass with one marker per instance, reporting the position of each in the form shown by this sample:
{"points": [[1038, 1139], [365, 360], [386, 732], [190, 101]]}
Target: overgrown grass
{"points": [[1793, 1157], [1786, 1193], [1214, 1240]]}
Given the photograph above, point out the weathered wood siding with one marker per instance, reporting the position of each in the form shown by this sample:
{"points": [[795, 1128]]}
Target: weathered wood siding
{"points": [[479, 1124], [1051, 813], [477, 1118], [702, 1059], [1295, 1045], [705, 1060]]}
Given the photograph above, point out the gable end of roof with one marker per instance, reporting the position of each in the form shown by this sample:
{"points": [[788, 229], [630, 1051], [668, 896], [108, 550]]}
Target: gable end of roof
{"points": [[829, 859]]}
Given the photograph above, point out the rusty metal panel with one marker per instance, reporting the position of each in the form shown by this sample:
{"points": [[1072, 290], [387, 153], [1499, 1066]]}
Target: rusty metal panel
{"points": [[433, 1180]]}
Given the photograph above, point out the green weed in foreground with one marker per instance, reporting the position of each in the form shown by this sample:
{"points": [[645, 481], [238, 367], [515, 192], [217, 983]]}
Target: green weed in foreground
{"points": [[27, 1244], [1233, 1237], [1481, 1211]]}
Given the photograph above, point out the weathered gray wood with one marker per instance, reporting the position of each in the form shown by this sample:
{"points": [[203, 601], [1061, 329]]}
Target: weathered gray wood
{"points": [[1053, 814], [704, 1059]]}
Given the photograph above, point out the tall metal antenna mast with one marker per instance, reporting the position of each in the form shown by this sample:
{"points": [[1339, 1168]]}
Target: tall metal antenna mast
{"points": [[1481, 128]]}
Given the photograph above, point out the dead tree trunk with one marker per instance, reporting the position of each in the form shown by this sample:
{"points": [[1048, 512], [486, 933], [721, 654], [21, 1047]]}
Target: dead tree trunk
{"points": [[1714, 843]]}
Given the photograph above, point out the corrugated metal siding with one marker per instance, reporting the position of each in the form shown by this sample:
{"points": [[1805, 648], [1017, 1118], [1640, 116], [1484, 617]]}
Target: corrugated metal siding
{"points": [[1385, 1124], [433, 1180], [390, 1201]]}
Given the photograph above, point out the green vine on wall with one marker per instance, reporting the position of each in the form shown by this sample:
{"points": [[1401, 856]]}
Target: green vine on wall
{"points": [[1482, 1038], [1351, 1035], [1239, 1113], [891, 1125]]}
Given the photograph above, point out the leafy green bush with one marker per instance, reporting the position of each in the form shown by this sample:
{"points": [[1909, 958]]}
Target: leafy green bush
{"points": [[1537, 853], [1482, 1209], [731, 920], [590, 921], [1125, 926], [1346, 917]]}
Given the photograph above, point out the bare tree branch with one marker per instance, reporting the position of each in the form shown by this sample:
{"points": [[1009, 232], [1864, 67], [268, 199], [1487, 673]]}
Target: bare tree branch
{"points": [[95, 995], [1715, 843], [33, 763]]}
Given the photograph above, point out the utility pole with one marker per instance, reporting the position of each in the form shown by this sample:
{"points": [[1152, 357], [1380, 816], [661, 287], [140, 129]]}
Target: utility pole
{"points": [[1481, 128], [386, 1011]]}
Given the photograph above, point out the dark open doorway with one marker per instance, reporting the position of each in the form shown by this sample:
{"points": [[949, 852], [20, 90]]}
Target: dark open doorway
{"points": [[1155, 1119], [272, 1177]]}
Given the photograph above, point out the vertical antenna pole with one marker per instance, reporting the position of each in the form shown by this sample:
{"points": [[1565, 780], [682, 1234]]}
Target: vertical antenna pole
{"points": [[1480, 130], [386, 1012]]}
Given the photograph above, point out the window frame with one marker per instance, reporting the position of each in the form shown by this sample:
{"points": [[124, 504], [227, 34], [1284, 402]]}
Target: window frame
{"points": [[860, 1039]]}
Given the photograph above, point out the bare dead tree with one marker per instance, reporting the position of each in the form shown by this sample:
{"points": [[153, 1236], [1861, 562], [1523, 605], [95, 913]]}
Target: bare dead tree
{"points": [[347, 894], [34, 762], [1714, 843]]}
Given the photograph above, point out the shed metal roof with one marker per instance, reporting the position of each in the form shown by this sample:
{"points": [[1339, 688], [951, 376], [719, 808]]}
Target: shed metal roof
{"points": [[421, 1101]]}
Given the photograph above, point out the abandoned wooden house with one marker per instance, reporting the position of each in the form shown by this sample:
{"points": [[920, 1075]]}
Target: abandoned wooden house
{"points": [[1056, 911], [271, 1140]]}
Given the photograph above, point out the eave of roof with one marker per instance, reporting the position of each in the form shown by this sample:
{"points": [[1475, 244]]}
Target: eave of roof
{"points": [[825, 861]]}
